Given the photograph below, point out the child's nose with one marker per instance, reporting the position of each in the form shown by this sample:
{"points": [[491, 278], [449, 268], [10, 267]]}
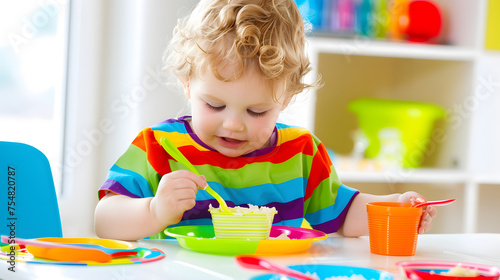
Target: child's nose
{"points": [[233, 123]]}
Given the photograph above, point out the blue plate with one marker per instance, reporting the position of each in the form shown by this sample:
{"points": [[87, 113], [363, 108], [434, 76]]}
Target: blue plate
{"points": [[324, 271]]}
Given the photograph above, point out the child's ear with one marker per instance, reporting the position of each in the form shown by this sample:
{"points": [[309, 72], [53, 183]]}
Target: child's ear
{"points": [[187, 89]]}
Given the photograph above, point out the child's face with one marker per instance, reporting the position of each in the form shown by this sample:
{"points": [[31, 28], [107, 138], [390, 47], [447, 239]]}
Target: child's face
{"points": [[234, 118]]}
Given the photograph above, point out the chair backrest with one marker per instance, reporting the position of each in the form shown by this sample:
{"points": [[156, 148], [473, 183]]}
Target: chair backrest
{"points": [[28, 201]]}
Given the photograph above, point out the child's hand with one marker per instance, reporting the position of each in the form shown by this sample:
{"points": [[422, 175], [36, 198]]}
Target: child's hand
{"points": [[428, 213], [176, 193]]}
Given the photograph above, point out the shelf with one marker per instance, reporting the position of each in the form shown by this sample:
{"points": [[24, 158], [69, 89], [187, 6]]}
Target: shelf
{"points": [[454, 76], [368, 47], [422, 175], [487, 179]]}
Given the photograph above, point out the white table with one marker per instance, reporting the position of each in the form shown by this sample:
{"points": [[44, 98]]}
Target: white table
{"points": [[180, 263]]}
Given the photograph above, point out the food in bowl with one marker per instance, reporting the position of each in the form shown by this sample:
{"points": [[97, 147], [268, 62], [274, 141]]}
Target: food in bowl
{"points": [[352, 277], [447, 270], [252, 223], [459, 270], [333, 272], [251, 209], [282, 236]]}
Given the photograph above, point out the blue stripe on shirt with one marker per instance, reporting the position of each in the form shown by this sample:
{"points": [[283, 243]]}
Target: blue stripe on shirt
{"points": [[258, 195], [135, 183], [171, 127], [344, 196]]}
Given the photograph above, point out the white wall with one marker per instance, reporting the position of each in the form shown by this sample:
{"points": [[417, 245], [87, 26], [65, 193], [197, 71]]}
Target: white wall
{"points": [[115, 55]]}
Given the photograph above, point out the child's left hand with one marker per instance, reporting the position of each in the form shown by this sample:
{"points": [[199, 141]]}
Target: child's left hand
{"points": [[428, 213]]}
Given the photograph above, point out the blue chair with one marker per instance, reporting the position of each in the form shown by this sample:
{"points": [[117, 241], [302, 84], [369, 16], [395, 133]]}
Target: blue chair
{"points": [[28, 201]]}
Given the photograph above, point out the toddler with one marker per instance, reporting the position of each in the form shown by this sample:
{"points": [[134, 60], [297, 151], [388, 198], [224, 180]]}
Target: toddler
{"points": [[240, 63]]}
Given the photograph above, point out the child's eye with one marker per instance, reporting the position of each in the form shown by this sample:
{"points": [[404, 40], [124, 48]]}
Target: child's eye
{"points": [[215, 108], [256, 114]]}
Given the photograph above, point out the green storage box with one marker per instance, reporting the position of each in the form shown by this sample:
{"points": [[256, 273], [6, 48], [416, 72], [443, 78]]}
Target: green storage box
{"points": [[414, 120]]}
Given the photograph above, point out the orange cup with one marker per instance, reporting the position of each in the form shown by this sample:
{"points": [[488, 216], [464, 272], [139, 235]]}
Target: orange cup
{"points": [[393, 228]]}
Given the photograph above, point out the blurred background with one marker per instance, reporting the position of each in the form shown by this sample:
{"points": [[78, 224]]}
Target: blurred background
{"points": [[411, 92]]}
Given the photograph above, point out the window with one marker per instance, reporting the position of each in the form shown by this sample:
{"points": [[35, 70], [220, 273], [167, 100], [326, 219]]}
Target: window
{"points": [[33, 44]]}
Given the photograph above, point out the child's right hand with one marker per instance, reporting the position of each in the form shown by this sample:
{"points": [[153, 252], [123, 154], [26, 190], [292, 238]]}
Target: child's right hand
{"points": [[176, 193]]}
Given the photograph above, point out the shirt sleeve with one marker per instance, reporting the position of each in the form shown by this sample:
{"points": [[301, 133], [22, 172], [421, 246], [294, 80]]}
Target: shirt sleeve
{"points": [[132, 174], [327, 200]]}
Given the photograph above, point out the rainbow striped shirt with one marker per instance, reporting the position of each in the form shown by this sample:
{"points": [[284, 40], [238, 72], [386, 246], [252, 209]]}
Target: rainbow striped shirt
{"points": [[295, 175]]}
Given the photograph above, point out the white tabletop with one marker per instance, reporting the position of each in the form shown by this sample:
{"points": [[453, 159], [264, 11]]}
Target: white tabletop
{"points": [[180, 263]]}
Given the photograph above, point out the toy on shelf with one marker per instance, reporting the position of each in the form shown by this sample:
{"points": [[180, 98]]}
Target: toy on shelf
{"points": [[424, 21], [399, 19], [411, 20]]}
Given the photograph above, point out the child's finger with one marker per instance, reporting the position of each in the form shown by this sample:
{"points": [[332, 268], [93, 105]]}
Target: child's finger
{"points": [[204, 185], [199, 180], [186, 204], [419, 200], [185, 193], [426, 220], [431, 210]]}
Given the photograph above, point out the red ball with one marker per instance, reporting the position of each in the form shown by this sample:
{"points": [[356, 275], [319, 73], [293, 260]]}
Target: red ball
{"points": [[424, 21]]}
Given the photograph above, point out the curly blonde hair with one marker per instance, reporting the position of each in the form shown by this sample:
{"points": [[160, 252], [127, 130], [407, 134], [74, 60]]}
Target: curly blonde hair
{"points": [[266, 34]]}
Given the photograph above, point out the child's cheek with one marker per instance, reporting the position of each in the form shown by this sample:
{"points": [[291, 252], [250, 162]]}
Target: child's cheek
{"points": [[263, 129]]}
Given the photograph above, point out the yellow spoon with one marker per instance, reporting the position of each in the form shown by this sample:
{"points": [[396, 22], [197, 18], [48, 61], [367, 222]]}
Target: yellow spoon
{"points": [[178, 156]]}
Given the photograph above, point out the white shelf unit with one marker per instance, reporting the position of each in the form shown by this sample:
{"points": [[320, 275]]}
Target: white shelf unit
{"points": [[422, 175], [454, 76], [368, 47]]}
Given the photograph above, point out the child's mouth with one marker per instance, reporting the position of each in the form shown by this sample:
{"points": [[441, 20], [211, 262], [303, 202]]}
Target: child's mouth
{"points": [[230, 142]]}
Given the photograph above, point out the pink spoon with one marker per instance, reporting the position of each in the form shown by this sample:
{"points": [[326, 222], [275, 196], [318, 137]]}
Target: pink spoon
{"points": [[258, 263], [435, 203]]}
